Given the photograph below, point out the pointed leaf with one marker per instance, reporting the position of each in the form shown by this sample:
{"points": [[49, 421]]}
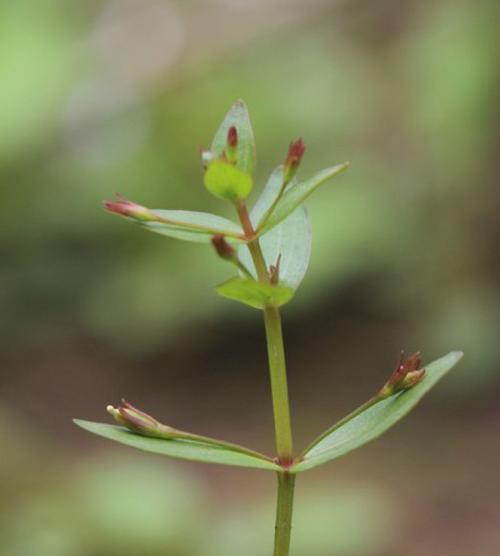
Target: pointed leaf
{"points": [[291, 239], [176, 448], [297, 194], [245, 149], [191, 226], [254, 293], [375, 420]]}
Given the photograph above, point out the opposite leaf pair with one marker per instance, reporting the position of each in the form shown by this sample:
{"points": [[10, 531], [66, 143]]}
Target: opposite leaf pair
{"points": [[360, 427]]}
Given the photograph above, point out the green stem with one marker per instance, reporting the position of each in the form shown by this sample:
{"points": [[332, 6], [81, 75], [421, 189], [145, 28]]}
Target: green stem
{"points": [[279, 386], [279, 390], [284, 509], [275, 348]]}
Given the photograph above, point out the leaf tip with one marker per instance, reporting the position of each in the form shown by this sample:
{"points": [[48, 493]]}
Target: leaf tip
{"points": [[81, 423], [240, 103], [457, 355]]}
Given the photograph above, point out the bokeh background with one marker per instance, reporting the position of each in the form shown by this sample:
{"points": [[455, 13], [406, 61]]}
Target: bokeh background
{"points": [[102, 96]]}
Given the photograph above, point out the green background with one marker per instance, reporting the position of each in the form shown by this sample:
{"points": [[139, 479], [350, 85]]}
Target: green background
{"points": [[103, 96]]}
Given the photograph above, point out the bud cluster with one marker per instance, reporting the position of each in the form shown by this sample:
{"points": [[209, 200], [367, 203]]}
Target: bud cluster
{"points": [[406, 375]]}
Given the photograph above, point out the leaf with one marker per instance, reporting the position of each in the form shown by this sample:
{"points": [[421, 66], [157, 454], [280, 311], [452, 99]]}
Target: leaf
{"points": [[245, 149], [254, 293], [227, 182], [291, 239], [176, 448], [268, 195], [297, 194], [191, 225], [375, 420]]}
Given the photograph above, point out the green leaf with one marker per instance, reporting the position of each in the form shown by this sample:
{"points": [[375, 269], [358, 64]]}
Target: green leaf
{"points": [[191, 225], [176, 448], [295, 195], [245, 149], [268, 195], [227, 182], [254, 293], [291, 239], [371, 423]]}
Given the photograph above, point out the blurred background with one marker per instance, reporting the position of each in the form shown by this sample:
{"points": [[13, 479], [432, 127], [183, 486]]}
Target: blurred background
{"points": [[103, 96]]}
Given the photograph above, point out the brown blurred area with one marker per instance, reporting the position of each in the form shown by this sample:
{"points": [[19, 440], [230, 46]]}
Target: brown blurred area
{"points": [[108, 96]]}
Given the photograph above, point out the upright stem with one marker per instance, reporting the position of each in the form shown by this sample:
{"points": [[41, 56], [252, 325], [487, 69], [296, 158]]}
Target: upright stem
{"points": [[279, 386], [283, 429], [279, 390], [284, 508]]}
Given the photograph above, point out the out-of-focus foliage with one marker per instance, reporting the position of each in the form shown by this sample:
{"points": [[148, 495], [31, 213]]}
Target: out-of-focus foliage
{"points": [[117, 95]]}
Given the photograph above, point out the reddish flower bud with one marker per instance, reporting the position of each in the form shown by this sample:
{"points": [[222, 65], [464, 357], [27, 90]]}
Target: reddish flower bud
{"points": [[138, 421], [224, 250], [295, 153], [406, 375], [123, 207], [232, 137]]}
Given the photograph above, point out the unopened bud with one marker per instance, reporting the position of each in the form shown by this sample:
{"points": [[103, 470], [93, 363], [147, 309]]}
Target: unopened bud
{"points": [[232, 137], [223, 248], [123, 207], [138, 421], [231, 153], [406, 375], [295, 153]]}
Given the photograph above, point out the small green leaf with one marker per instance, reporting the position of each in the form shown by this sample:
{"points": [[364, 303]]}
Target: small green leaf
{"points": [[227, 182], [245, 150], [176, 448], [295, 195], [191, 226], [254, 293], [291, 239], [375, 420]]}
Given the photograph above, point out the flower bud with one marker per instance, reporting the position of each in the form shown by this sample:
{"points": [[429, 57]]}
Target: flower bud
{"points": [[138, 421], [123, 207], [406, 375], [232, 137], [231, 153], [295, 153], [223, 248]]}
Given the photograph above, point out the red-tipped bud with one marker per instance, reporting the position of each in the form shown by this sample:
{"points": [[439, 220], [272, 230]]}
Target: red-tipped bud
{"points": [[232, 137], [231, 153], [295, 153], [406, 375], [123, 207], [138, 421], [224, 250]]}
